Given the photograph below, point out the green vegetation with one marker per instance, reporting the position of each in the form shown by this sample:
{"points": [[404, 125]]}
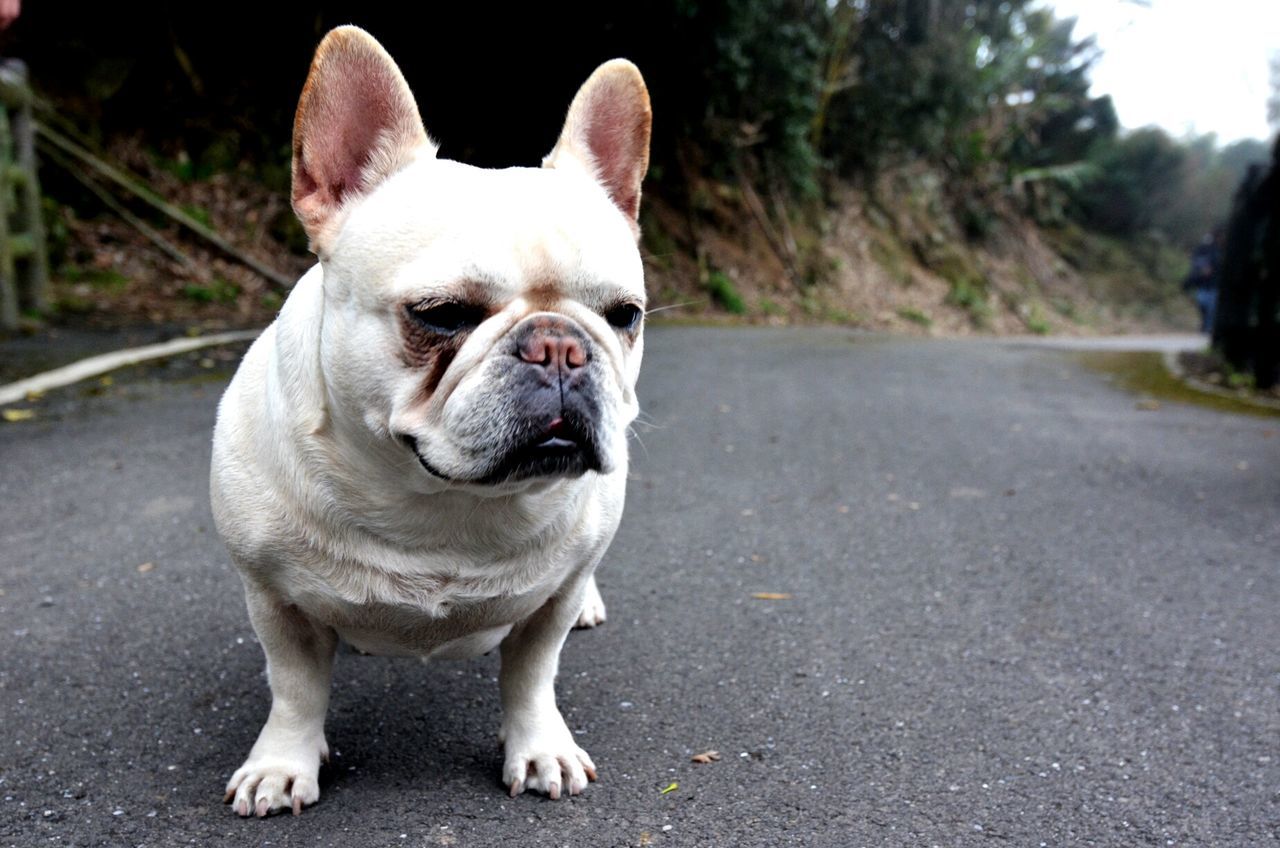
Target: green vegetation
{"points": [[725, 294], [1145, 373], [915, 316], [770, 308], [1036, 321], [971, 297], [217, 291], [947, 126], [992, 94], [105, 279], [200, 214]]}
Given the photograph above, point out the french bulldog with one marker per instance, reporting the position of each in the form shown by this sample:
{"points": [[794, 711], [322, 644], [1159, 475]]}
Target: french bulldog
{"points": [[426, 453]]}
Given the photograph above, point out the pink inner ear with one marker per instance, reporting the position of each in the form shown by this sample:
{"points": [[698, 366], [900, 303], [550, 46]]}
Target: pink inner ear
{"points": [[617, 135], [352, 109]]}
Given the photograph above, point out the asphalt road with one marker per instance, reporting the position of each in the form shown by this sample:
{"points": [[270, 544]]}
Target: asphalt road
{"points": [[1024, 610]]}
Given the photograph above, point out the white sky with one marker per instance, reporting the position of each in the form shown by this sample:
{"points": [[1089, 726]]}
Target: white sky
{"points": [[1186, 65]]}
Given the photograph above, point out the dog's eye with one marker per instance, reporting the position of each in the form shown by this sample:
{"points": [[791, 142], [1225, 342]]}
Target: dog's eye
{"points": [[624, 316], [447, 318]]}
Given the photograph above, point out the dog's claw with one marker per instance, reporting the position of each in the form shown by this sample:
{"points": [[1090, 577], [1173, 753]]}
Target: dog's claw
{"points": [[593, 612], [555, 766], [261, 789]]}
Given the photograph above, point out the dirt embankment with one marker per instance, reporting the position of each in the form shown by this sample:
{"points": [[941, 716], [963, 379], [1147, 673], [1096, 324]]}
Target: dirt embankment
{"points": [[896, 259], [892, 257]]}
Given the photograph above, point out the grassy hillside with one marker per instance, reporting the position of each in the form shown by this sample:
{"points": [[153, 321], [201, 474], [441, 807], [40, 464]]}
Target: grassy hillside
{"points": [[891, 256]]}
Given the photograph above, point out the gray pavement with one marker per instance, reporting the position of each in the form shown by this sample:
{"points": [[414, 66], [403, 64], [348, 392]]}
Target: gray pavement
{"points": [[1024, 610], [1169, 343]]}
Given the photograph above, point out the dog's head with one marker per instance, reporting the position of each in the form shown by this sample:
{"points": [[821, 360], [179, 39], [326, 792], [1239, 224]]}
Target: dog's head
{"points": [[489, 322]]}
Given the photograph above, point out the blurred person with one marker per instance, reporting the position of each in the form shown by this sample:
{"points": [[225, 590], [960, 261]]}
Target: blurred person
{"points": [[1204, 276]]}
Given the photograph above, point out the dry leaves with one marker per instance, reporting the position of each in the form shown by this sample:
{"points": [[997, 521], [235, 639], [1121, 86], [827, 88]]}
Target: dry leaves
{"points": [[145, 567], [771, 596], [706, 757], [15, 415]]}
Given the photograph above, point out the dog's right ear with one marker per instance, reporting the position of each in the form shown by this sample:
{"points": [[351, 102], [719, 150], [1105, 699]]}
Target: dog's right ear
{"points": [[357, 124]]}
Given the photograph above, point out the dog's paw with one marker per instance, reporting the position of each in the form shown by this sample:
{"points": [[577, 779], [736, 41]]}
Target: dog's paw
{"points": [[551, 764], [593, 611], [268, 783]]}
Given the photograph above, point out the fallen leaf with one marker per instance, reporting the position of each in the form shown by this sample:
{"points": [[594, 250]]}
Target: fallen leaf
{"points": [[771, 596], [35, 395], [108, 380], [16, 415], [706, 757], [1148, 404], [672, 788], [145, 567]]}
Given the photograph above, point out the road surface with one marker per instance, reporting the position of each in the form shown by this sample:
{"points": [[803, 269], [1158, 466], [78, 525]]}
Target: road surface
{"points": [[1022, 609]]}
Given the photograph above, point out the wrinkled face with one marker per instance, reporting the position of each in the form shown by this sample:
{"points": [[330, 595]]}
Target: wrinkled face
{"points": [[487, 323]]}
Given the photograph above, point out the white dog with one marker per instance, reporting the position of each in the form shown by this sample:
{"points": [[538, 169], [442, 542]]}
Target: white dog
{"points": [[426, 454]]}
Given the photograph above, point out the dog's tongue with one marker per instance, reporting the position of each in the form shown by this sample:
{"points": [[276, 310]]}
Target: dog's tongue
{"points": [[555, 436]]}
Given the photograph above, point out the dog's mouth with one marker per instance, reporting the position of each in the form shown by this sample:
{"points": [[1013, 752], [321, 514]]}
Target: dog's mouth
{"points": [[565, 447]]}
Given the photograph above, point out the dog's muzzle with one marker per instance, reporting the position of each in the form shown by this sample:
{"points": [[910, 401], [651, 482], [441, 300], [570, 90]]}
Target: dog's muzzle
{"points": [[557, 406], [551, 419]]}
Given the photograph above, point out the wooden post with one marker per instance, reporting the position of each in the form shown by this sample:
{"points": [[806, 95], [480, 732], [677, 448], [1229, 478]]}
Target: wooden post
{"points": [[24, 260], [8, 282]]}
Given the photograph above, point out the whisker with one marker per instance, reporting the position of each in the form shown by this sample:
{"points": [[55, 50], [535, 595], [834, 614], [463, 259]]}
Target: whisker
{"points": [[648, 426], [635, 435], [676, 306]]}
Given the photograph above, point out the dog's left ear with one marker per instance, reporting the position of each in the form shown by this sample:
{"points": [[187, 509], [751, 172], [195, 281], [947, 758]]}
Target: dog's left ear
{"points": [[607, 134]]}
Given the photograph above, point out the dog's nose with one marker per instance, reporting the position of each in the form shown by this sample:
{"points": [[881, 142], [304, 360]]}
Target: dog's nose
{"points": [[551, 346]]}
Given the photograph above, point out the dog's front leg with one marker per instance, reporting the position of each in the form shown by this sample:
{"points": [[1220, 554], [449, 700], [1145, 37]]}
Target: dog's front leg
{"points": [[283, 768], [539, 751]]}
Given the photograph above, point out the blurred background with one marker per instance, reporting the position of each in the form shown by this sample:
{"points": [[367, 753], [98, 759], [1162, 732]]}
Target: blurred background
{"points": [[916, 166]]}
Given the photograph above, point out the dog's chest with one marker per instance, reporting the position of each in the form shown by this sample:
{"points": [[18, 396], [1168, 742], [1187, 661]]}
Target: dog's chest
{"points": [[435, 606]]}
